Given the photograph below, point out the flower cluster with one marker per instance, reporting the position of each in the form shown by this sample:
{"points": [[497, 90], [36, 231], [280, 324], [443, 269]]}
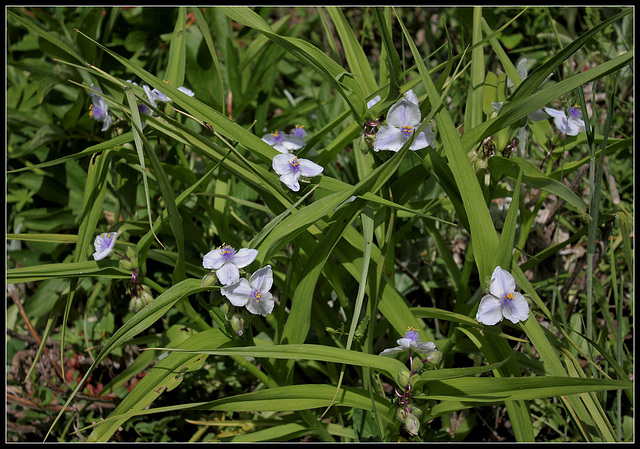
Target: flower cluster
{"points": [[252, 293], [290, 167], [408, 412]]}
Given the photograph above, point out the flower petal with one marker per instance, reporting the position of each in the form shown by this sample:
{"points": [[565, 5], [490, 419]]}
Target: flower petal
{"points": [[238, 293], [412, 97], [290, 142], [555, 112], [228, 273], [405, 342], [391, 351], [262, 307], [404, 113], [501, 282], [517, 309], [425, 348], [213, 260], [308, 168], [244, 257], [373, 101], [419, 142], [262, 279], [291, 180], [489, 310], [389, 138], [282, 163]]}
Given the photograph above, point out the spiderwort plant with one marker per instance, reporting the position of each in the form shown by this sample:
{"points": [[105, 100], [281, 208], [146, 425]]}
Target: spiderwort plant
{"points": [[227, 262], [402, 120], [503, 301], [409, 412], [99, 110], [252, 293]]}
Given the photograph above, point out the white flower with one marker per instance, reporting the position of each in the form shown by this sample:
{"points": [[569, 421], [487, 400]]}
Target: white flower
{"points": [[103, 244], [411, 340], [503, 301], [227, 262], [571, 125], [284, 142], [290, 168], [252, 293], [402, 120]]}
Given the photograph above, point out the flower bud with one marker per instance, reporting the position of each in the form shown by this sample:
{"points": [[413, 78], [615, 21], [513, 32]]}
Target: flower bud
{"points": [[136, 304], [413, 379], [434, 357], [402, 413], [237, 324], [146, 295], [417, 364], [209, 280], [412, 424], [224, 307], [403, 377], [415, 410]]}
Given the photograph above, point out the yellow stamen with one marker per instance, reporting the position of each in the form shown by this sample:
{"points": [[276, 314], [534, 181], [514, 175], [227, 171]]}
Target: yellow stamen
{"points": [[91, 110], [411, 328], [275, 133], [407, 129]]}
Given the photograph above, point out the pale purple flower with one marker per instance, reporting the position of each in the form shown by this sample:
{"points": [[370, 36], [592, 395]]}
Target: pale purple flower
{"points": [[411, 340], [299, 131], [503, 301], [290, 168], [570, 125], [99, 109], [284, 142], [252, 293], [103, 244], [402, 120], [227, 262]]}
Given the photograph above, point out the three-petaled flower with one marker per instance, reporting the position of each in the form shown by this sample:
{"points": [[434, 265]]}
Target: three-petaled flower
{"points": [[284, 142], [99, 109], [252, 293], [103, 244], [155, 95], [290, 168], [411, 340], [503, 301], [227, 262], [570, 125], [402, 120]]}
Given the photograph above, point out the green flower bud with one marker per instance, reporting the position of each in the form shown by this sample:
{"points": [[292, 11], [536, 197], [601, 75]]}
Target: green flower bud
{"points": [[434, 357], [412, 424], [133, 257], [209, 280], [413, 379], [403, 377], [224, 307], [237, 324], [415, 410], [136, 304], [401, 414], [146, 295], [417, 364]]}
